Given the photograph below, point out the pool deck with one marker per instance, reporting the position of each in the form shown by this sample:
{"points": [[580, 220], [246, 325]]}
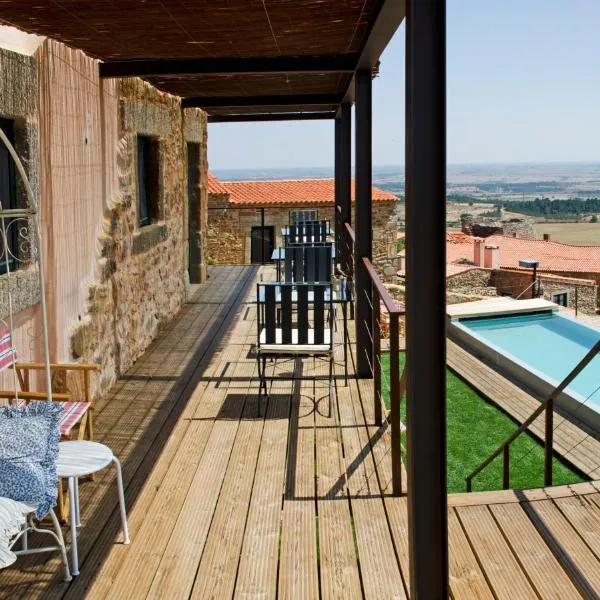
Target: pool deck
{"points": [[291, 504], [573, 440], [494, 307]]}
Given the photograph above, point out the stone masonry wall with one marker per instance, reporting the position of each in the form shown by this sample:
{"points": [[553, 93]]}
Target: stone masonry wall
{"points": [[141, 271], [229, 230]]}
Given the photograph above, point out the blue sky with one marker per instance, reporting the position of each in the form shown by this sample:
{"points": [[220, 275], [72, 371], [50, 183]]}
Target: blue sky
{"points": [[523, 86]]}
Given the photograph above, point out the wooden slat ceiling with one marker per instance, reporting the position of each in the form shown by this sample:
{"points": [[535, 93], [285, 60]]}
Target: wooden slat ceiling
{"points": [[253, 85], [125, 30], [129, 29]]}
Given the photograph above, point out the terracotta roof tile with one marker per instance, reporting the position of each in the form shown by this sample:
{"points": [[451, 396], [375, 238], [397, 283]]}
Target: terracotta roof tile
{"points": [[291, 192], [215, 185], [552, 256]]}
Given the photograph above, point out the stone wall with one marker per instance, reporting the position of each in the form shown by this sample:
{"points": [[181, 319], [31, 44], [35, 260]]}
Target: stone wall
{"points": [[229, 231], [141, 271], [486, 226], [504, 282], [471, 284]]}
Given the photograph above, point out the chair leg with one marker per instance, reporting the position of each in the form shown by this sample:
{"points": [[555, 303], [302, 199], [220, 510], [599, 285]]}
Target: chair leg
{"points": [[122, 508], [74, 553], [259, 385], [330, 385], [62, 502], [61, 543]]}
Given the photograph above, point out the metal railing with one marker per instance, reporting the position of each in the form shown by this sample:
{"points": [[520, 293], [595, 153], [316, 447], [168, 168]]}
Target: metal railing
{"points": [[397, 380], [546, 406]]}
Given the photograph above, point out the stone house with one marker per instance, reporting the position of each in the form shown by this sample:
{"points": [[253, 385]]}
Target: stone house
{"points": [[119, 170], [568, 274], [236, 210]]}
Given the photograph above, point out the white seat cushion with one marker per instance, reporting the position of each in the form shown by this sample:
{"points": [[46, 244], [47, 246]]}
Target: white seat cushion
{"points": [[294, 347], [12, 519]]}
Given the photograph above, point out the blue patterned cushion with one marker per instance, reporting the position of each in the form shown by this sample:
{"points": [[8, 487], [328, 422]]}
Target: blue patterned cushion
{"points": [[29, 440]]}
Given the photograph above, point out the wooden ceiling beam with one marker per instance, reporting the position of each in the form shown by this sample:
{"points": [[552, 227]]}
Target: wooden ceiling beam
{"points": [[258, 101], [289, 116], [228, 66], [386, 21]]}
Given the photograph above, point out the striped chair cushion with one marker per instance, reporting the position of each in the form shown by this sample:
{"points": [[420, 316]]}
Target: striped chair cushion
{"points": [[8, 353], [72, 413]]}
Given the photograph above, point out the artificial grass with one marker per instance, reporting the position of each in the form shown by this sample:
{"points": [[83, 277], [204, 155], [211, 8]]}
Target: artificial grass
{"points": [[475, 429]]}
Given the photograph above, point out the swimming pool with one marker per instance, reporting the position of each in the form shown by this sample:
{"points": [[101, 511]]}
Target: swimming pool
{"points": [[539, 349]]}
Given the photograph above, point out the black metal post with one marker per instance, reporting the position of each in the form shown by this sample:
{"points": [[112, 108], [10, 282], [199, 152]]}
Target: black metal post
{"points": [[337, 217], [426, 297], [363, 230], [262, 236], [345, 184], [549, 442]]}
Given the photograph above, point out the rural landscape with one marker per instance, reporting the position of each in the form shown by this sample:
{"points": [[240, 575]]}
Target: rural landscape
{"points": [[559, 199]]}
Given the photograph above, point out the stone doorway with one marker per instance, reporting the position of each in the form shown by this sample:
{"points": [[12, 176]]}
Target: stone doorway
{"points": [[193, 190]]}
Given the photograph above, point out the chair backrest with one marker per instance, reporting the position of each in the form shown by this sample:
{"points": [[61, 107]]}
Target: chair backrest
{"points": [[307, 232], [308, 263], [8, 353], [305, 307], [301, 216]]}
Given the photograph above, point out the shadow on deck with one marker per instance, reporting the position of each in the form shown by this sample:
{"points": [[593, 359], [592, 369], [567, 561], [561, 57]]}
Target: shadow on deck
{"points": [[294, 503]]}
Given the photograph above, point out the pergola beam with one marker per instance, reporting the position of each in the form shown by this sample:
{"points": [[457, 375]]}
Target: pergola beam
{"points": [[345, 63], [385, 23], [259, 101], [286, 116]]}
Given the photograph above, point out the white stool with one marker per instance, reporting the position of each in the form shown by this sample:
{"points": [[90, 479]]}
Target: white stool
{"points": [[79, 458]]}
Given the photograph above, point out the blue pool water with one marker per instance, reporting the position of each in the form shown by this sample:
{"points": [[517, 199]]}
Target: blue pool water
{"points": [[547, 343]]}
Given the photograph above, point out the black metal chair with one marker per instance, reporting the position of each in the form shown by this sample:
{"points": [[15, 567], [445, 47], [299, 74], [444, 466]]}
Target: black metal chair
{"points": [[304, 326], [307, 232], [308, 263], [302, 216]]}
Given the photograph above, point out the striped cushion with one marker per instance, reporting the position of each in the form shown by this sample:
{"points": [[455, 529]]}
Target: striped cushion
{"points": [[8, 353], [72, 413]]}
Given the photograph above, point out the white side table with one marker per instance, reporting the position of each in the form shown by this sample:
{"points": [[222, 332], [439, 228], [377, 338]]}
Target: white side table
{"points": [[79, 458]]}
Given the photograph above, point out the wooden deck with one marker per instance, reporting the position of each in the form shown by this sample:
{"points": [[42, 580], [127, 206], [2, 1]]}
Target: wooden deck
{"points": [[292, 504]]}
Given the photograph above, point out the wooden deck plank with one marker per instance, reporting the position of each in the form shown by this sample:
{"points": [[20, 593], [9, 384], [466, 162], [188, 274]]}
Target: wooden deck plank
{"points": [[544, 571], [298, 573], [466, 577], [257, 570], [164, 479], [380, 571], [501, 568], [337, 555], [585, 518], [218, 569], [97, 502], [176, 571], [572, 552]]}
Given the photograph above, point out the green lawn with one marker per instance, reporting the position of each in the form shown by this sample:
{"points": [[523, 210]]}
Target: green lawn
{"points": [[475, 429]]}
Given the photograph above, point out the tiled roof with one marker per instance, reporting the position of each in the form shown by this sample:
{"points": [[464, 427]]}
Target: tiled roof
{"points": [[552, 256], [291, 192], [216, 186]]}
